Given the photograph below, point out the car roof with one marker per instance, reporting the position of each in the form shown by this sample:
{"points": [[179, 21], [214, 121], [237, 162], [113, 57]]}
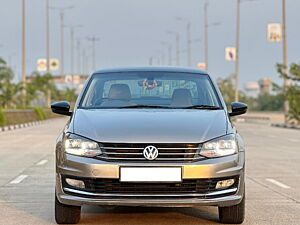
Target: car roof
{"points": [[152, 69]]}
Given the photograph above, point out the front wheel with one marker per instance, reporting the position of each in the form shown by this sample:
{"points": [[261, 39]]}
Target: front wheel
{"points": [[66, 214], [233, 214]]}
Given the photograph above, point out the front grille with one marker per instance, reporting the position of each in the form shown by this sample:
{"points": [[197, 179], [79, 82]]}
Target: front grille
{"points": [[114, 186], [134, 152]]}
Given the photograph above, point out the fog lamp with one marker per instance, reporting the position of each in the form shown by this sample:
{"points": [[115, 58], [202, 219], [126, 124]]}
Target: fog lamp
{"points": [[224, 183], [75, 183]]}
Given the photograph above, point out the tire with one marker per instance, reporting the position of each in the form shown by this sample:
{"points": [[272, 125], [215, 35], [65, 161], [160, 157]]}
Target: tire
{"points": [[66, 214], [233, 214]]}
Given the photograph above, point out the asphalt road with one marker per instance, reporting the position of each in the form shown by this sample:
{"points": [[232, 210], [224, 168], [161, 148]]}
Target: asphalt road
{"points": [[27, 181]]}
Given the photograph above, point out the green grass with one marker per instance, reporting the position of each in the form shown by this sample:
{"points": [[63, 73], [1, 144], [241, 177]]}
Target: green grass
{"points": [[40, 113], [30, 114], [3, 119]]}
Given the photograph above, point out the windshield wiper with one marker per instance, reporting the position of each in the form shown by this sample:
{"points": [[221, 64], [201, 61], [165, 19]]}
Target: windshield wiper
{"points": [[202, 107], [163, 107], [143, 106]]}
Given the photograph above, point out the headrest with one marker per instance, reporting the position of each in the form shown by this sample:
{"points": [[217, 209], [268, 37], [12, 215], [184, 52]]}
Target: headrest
{"points": [[182, 97], [119, 91]]}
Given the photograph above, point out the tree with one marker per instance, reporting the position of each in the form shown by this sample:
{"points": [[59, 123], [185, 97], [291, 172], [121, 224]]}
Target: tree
{"points": [[40, 83], [69, 94], [226, 87], [43, 83], [270, 102], [293, 97], [31, 93], [8, 90], [267, 102], [292, 92]]}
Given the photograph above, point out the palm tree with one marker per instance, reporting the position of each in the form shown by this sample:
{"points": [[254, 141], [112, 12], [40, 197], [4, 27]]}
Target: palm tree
{"points": [[41, 83], [69, 94], [8, 90]]}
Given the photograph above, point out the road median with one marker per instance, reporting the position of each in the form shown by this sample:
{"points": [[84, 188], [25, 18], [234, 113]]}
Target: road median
{"points": [[20, 118]]}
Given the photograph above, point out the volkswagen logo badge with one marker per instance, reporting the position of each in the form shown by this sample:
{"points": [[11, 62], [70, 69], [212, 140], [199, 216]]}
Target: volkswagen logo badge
{"points": [[150, 152]]}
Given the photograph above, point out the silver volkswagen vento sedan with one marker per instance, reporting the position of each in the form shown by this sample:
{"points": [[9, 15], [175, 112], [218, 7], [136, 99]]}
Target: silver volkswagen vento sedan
{"points": [[150, 137]]}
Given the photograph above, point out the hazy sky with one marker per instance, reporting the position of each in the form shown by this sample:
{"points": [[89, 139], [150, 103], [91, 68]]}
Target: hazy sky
{"points": [[131, 31]]}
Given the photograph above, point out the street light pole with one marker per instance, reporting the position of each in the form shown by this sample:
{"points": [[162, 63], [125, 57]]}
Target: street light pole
{"points": [[24, 51], [189, 44], [79, 56], [170, 54], [206, 35], [62, 52], [237, 49], [83, 61], [150, 61], [158, 60], [206, 26], [177, 36], [94, 40], [62, 26], [163, 45], [72, 57], [188, 38], [47, 37], [72, 53], [285, 59], [162, 57], [177, 49], [237, 46]]}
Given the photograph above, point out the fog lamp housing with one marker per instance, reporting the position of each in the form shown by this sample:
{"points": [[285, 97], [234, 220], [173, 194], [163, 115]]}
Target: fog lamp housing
{"points": [[225, 183], [75, 183]]}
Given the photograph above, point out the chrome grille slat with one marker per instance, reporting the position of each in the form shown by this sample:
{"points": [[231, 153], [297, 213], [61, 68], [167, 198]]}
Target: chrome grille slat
{"points": [[179, 159], [113, 148], [176, 153], [124, 148], [134, 152], [177, 148], [158, 159], [139, 153], [118, 158], [123, 153]]}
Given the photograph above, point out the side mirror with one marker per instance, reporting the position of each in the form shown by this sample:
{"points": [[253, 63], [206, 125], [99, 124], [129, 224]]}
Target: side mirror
{"points": [[62, 108], [238, 108]]}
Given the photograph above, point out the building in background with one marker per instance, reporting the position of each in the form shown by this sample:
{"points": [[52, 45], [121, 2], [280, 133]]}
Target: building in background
{"points": [[265, 86], [76, 82], [62, 82], [252, 89], [262, 87]]}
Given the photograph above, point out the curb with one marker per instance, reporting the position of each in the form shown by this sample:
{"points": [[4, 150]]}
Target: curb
{"points": [[18, 126], [252, 119], [285, 126]]}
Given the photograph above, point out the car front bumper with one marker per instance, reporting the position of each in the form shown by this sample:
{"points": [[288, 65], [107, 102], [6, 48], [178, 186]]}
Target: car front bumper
{"points": [[93, 168]]}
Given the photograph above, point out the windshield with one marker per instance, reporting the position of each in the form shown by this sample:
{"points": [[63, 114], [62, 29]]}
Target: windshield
{"points": [[150, 89]]}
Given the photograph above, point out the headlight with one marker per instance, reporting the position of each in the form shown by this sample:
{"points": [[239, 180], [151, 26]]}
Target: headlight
{"points": [[218, 147], [81, 146]]}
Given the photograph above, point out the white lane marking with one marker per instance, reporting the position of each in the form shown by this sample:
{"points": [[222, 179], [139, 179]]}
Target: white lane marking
{"points": [[18, 179], [278, 183], [42, 162], [293, 140]]}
